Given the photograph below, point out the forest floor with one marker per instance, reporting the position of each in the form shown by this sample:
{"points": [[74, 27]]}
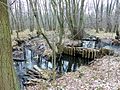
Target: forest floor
{"points": [[103, 74], [101, 34], [25, 35]]}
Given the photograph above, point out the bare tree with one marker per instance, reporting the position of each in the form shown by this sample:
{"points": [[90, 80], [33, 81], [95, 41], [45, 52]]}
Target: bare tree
{"points": [[117, 14], [101, 16], [8, 79], [30, 16], [81, 26], [74, 17], [109, 10], [96, 7]]}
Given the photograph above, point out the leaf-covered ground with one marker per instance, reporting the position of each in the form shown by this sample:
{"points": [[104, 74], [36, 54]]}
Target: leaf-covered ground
{"points": [[103, 74]]}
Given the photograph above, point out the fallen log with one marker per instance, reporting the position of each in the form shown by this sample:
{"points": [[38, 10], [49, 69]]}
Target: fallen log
{"points": [[46, 74], [37, 68], [32, 37], [36, 72], [88, 39], [32, 82], [18, 60], [33, 74], [115, 42], [17, 55], [33, 71], [19, 42], [36, 80], [29, 83]]}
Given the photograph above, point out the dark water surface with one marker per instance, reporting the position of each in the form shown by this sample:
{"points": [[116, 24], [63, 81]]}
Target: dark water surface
{"points": [[65, 64]]}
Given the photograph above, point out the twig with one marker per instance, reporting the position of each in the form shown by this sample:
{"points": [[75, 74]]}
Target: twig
{"points": [[12, 2]]}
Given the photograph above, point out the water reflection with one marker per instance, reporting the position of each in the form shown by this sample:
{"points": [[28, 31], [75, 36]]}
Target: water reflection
{"points": [[88, 44], [28, 58], [65, 64]]}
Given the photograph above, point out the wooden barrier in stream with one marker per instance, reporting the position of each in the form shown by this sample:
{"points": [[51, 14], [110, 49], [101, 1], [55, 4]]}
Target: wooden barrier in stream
{"points": [[88, 53]]}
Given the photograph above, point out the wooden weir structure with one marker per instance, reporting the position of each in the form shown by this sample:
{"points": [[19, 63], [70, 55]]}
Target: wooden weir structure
{"points": [[87, 53]]}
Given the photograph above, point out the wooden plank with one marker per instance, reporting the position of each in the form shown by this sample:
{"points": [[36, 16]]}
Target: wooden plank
{"points": [[18, 60], [83, 52]]}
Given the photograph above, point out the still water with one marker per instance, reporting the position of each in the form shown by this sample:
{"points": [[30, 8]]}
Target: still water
{"points": [[64, 64]]}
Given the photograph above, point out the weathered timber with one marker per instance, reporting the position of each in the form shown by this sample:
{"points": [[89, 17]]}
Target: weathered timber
{"points": [[88, 39], [104, 51], [116, 42], [18, 60], [16, 48], [88, 53], [20, 42], [36, 72], [81, 52], [32, 37]]}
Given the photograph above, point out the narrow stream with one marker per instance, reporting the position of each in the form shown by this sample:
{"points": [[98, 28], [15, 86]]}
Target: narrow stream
{"points": [[65, 64]]}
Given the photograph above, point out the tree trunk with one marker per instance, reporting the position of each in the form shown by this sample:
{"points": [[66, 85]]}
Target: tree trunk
{"points": [[8, 79], [81, 27], [96, 7], [117, 13], [75, 17], [101, 16], [109, 10], [30, 16]]}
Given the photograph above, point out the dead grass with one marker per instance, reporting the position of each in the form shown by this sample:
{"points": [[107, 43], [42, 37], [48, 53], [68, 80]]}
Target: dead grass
{"points": [[101, 34], [25, 35]]}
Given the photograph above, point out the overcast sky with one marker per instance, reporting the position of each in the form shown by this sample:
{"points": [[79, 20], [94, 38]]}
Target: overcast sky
{"points": [[89, 4]]}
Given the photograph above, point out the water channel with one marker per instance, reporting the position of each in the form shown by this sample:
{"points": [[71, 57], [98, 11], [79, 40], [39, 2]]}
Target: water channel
{"points": [[65, 64]]}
